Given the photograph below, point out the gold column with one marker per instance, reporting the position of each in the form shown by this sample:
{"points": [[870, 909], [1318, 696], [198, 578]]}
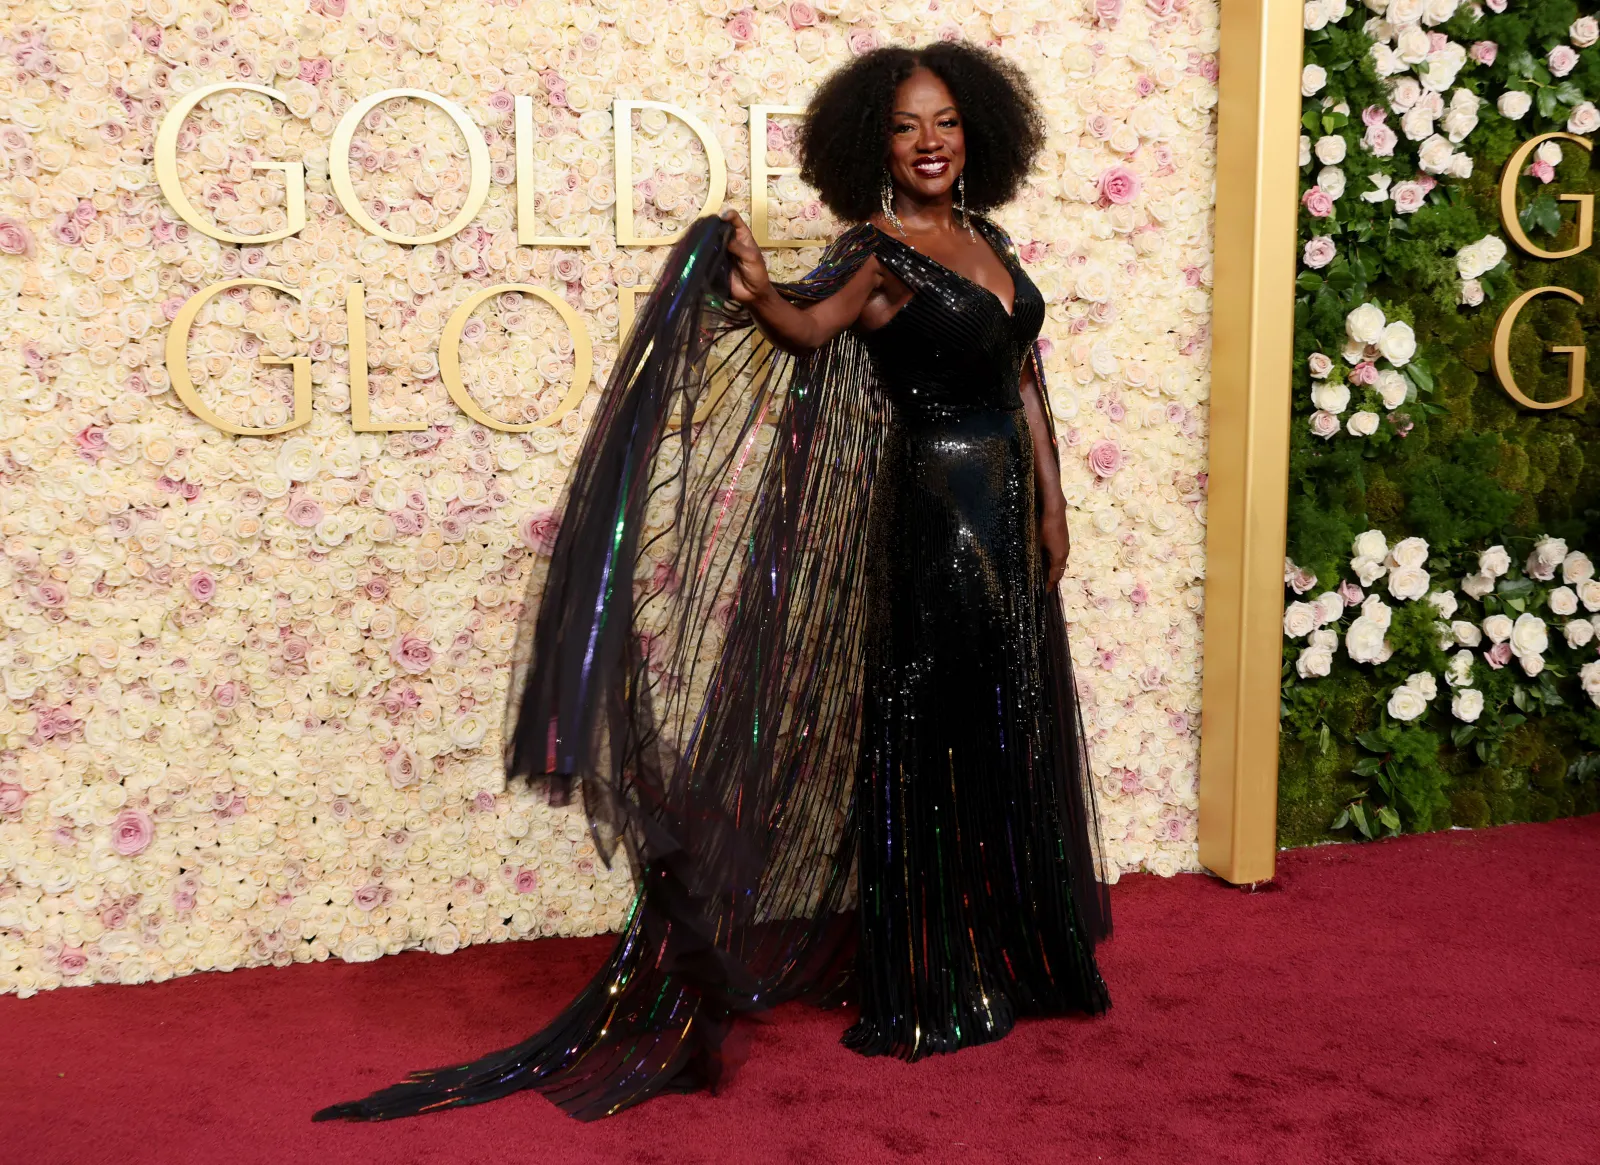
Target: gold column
{"points": [[1258, 131]]}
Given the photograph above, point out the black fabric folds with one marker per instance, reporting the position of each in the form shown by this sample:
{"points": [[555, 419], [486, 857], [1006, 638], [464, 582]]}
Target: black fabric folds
{"points": [[694, 667]]}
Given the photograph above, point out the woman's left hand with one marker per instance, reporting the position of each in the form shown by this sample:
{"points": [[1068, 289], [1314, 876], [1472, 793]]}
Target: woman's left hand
{"points": [[1055, 542]]}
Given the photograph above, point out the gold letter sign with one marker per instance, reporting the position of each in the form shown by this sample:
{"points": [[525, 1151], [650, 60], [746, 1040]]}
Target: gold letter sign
{"points": [[1508, 200], [1576, 355]]}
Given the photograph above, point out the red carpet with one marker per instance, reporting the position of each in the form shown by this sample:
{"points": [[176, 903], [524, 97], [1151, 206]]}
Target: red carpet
{"points": [[1427, 999]]}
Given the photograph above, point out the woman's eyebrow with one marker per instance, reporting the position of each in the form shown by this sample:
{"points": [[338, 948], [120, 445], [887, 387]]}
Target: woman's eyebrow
{"points": [[907, 113]]}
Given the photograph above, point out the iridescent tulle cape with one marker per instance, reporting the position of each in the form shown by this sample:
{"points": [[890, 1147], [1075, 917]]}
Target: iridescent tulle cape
{"points": [[693, 665]]}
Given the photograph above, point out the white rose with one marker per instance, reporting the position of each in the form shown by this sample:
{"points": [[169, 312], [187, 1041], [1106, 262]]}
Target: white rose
{"points": [[1312, 79], [1471, 293], [1584, 31], [1331, 180], [1330, 607], [1385, 61], [1476, 259], [1529, 636], [1380, 189], [1589, 595], [1458, 673], [1460, 166], [1417, 123], [1364, 325], [1314, 662], [1373, 607], [1439, 11], [1392, 388], [1584, 118], [1563, 601], [1443, 66], [1579, 633], [1409, 552], [1576, 568], [1299, 619], [1445, 603], [1315, 16], [1411, 46], [1514, 104], [1466, 704], [1434, 155], [1477, 585], [1362, 424], [1402, 12], [1589, 674], [1319, 366], [1494, 562], [1368, 570], [1370, 544], [298, 460], [1424, 683], [1408, 582], [1305, 150], [1498, 628], [1462, 116], [1548, 553], [1467, 634], [1364, 641], [1532, 664], [1330, 149], [1407, 92], [1331, 395], [1549, 153], [1406, 703]]}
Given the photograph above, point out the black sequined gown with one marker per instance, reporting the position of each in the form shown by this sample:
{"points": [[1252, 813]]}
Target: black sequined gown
{"points": [[967, 913], [889, 725]]}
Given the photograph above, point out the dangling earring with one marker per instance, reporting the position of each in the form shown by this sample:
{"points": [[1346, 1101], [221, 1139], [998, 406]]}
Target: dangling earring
{"points": [[961, 205], [888, 204]]}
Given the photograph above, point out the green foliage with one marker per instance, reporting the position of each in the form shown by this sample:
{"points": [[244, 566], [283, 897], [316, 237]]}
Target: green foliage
{"points": [[1459, 463]]}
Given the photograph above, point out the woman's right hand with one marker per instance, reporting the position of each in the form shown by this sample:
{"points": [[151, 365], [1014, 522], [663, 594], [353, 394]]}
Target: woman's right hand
{"points": [[747, 279]]}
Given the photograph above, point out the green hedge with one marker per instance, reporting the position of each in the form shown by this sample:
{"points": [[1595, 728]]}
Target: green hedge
{"points": [[1457, 463]]}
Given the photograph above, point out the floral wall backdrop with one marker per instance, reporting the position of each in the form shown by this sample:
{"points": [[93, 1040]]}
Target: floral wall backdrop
{"points": [[253, 685], [1440, 662]]}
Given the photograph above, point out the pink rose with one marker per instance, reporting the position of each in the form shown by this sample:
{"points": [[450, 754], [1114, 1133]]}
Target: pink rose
{"points": [[1543, 171], [131, 832], [526, 881], [1562, 60], [403, 768], [72, 961], [1352, 595], [15, 239], [226, 695], [1499, 655], [1105, 457], [1484, 52], [802, 15], [1324, 424], [202, 586], [333, 8], [1373, 115], [1319, 365], [1365, 372], [539, 531], [1319, 252], [304, 511], [1107, 12], [1119, 184], [502, 101], [742, 27], [862, 41], [11, 797], [1317, 203], [412, 653], [369, 897], [1380, 141]]}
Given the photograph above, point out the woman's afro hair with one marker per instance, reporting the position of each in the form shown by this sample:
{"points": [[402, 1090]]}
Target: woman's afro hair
{"points": [[844, 138]]}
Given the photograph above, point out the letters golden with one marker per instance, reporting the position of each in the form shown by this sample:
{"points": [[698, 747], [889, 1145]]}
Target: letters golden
{"points": [[166, 166], [1577, 355]]}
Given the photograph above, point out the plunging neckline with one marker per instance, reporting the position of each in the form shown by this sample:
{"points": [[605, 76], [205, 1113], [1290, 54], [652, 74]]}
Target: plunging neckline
{"points": [[1009, 314]]}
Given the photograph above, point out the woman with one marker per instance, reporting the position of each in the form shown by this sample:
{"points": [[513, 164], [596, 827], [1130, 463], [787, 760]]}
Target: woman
{"points": [[874, 786]]}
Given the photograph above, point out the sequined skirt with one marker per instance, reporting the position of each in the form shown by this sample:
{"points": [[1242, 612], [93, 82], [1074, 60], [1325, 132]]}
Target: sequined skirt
{"points": [[967, 912]]}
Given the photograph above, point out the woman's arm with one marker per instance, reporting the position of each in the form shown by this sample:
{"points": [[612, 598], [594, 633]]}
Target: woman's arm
{"points": [[1053, 536], [794, 329]]}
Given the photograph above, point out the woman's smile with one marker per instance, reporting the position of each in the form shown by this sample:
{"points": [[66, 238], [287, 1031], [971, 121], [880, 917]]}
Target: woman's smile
{"points": [[931, 166]]}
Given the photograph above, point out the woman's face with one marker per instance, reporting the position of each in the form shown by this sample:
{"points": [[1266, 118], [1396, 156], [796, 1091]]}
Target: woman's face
{"points": [[927, 147]]}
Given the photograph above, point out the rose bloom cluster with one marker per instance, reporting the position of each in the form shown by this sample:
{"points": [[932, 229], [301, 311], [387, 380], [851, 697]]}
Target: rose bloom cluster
{"points": [[1564, 586], [253, 686], [1375, 348]]}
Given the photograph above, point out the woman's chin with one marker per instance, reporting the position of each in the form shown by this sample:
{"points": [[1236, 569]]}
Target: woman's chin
{"points": [[928, 189]]}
